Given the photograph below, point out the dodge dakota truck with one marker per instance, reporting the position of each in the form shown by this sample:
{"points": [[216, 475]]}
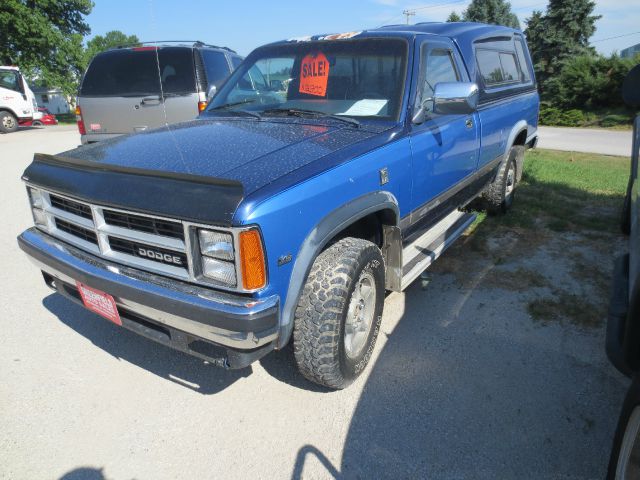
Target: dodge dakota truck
{"points": [[326, 171]]}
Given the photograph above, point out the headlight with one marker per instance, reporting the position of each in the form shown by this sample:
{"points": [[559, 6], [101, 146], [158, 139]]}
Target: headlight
{"points": [[216, 244], [35, 197], [39, 217], [219, 271], [218, 256]]}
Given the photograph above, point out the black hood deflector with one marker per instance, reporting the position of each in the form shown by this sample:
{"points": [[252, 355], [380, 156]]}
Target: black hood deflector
{"points": [[178, 195]]}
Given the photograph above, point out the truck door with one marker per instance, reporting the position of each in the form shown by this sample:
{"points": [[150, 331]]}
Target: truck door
{"points": [[444, 147]]}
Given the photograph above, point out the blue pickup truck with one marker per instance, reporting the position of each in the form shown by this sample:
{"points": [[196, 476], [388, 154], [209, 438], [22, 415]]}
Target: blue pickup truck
{"points": [[326, 171]]}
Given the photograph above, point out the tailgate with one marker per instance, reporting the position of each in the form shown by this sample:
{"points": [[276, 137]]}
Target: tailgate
{"points": [[121, 114]]}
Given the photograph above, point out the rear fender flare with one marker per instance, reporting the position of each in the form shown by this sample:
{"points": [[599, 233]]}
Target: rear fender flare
{"points": [[317, 239]]}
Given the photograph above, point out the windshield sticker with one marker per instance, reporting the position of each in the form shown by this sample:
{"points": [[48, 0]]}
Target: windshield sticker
{"points": [[367, 108], [314, 74], [340, 36]]}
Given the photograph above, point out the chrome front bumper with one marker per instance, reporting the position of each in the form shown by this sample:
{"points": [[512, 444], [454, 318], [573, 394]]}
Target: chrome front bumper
{"points": [[236, 322]]}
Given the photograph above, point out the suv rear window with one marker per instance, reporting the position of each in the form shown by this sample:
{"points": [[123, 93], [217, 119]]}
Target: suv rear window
{"points": [[133, 72]]}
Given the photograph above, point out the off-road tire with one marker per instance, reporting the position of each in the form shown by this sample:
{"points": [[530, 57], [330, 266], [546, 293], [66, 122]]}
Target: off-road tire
{"points": [[319, 329], [8, 123], [495, 197]]}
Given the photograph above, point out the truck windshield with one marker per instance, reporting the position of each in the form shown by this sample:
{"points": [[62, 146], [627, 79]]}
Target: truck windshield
{"points": [[361, 78]]}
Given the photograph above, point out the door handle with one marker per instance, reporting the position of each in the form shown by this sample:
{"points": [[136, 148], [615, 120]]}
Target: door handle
{"points": [[150, 101], [469, 123]]}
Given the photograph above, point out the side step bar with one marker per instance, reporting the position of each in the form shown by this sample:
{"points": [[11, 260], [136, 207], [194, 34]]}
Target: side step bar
{"points": [[422, 252]]}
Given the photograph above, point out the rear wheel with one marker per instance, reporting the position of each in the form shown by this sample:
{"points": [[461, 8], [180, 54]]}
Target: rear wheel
{"points": [[8, 123], [499, 196], [339, 313]]}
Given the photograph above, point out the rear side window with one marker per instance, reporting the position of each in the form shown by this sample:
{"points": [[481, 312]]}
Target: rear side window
{"points": [[136, 72], [522, 59], [497, 67], [236, 61], [216, 67], [510, 70]]}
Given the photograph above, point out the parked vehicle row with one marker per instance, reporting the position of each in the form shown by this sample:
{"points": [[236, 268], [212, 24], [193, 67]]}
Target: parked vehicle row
{"points": [[132, 89], [326, 171], [17, 101]]}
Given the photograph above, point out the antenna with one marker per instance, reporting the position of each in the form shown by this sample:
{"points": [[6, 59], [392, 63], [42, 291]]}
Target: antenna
{"points": [[408, 13]]}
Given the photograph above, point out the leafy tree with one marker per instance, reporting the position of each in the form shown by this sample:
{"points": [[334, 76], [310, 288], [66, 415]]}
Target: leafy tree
{"points": [[495, 12], [562, 33], [44, 38], [454, 17], [112, 39]]}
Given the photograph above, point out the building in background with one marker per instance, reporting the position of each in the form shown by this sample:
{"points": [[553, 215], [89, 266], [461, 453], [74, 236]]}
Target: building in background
{"points": [[52, 99], [631, 51]]}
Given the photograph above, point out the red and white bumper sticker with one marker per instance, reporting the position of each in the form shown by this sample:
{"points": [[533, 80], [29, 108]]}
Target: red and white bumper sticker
{"points": [[99, 302]]}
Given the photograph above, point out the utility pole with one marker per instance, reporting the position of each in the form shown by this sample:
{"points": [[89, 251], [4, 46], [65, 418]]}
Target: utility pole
{"points": [[408, 13]]}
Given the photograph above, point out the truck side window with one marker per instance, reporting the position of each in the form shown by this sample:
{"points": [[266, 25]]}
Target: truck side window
{"points": [[497, 67], [9, 80], [522, 59], [437, 66]]}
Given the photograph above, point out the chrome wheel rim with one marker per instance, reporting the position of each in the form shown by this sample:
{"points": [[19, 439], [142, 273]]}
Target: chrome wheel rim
{"points": [[8, 122], [360, 315], [511, 180]]}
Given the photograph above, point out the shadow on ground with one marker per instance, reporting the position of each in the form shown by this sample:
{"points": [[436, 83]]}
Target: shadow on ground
{"points": [[470, 385], [165, 362]]}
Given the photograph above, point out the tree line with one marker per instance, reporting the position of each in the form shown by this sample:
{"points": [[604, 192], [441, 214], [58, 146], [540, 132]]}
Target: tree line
{"points": [[573, 79], [45, 39]]}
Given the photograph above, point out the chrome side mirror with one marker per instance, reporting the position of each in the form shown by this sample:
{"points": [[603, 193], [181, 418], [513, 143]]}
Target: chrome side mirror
{"points": [[211, 92], [455, 98]]}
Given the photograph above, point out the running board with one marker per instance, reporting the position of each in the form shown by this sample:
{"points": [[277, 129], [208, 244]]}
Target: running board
{"points": [[422, 252]]}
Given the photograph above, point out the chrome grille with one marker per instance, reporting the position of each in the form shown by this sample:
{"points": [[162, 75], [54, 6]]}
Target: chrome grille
{"points": [[152, 243]]}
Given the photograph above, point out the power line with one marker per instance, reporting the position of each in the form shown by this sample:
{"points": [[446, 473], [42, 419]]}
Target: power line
{"points": [[617, 36], [412, 11]]}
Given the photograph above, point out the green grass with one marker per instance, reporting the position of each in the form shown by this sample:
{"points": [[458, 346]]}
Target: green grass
{"points": [[567, 191]]}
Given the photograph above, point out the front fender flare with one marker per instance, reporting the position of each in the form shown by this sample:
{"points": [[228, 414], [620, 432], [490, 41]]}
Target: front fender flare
{"points": [[317, 239]]}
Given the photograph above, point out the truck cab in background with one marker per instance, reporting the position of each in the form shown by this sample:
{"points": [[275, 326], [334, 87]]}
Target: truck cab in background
{"points": [[17, 101]]}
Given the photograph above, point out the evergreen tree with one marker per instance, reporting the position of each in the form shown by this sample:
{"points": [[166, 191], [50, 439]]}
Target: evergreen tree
{"points": [[495, 12], [454, 17], [562, 33]]}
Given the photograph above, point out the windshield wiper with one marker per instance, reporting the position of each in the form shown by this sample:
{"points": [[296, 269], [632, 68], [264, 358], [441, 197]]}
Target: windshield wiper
{"points": [[229, 107], [299, 112]]}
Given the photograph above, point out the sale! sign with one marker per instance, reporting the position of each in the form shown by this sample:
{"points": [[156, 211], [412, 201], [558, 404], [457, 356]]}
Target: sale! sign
{"points": [[314, 74]]}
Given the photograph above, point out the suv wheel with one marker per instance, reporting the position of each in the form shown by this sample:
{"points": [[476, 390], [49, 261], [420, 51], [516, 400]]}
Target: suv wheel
{"points": [[339, 313], [8, 123], [499, 195]]}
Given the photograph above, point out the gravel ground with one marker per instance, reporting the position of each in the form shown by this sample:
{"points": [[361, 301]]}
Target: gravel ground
{"points": [[466, 382]]}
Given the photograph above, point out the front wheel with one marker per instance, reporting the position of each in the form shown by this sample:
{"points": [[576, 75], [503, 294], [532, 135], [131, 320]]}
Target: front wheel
{"points": [[8, 123], [339, 313]]}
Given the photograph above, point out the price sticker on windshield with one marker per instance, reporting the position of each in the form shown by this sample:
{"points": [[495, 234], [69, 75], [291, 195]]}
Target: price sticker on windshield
{"points": [[314, 74]]}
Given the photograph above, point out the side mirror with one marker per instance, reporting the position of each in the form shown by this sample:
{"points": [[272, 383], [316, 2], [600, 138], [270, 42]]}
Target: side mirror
{"points": [[455, 98], [211, 92]]}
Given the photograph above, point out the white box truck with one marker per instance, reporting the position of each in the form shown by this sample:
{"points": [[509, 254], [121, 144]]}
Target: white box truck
{"points": [[17, 101]]}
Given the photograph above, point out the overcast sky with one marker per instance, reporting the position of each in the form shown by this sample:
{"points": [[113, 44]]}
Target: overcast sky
{"points": [[246, 25]]}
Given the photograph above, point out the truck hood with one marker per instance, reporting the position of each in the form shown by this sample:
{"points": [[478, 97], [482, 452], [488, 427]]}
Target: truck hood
{"points": [[225, 159]]}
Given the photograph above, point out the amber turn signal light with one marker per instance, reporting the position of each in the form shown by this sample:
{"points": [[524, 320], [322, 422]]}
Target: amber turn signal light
{"points": [[202, 106], [254, 273]]}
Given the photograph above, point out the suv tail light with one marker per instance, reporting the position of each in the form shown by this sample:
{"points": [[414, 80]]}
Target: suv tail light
{"points": [[81, 128], [202, 106]]}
